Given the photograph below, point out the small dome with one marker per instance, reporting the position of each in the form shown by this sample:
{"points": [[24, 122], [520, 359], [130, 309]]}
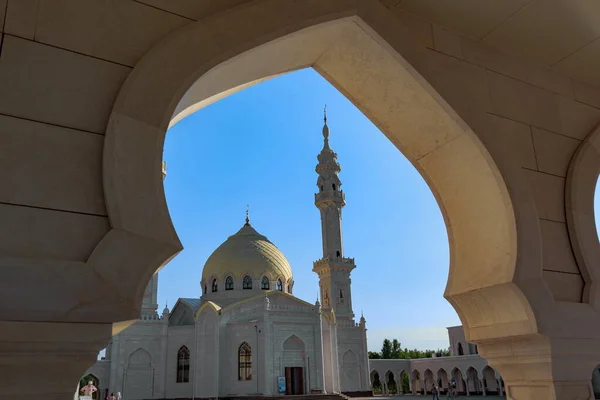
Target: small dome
{"points": [[247, 252]]}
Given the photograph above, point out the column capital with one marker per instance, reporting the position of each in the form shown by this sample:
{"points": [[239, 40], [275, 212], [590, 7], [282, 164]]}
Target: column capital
{"points": [[536, 366], [46, 359]]}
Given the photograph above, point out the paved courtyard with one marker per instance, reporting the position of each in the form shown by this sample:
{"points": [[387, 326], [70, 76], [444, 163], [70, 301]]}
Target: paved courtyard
{"points": [[442, 397]]}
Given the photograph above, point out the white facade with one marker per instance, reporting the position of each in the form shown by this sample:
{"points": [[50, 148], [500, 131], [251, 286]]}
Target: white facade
{"points": [[247, 331]]}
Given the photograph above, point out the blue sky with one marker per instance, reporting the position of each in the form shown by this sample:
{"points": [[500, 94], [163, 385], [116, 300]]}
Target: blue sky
{"points": [[259, 147]]}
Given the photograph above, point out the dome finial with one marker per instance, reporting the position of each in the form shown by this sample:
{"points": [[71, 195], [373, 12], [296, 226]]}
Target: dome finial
{"points": [[247, 214], [325, 127]]}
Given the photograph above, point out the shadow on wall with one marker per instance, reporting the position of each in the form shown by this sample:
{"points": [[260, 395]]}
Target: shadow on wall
{"points": [[597, 211]]}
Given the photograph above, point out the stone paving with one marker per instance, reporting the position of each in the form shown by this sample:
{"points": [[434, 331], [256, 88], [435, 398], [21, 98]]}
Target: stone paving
{"points": [[421, 397]]}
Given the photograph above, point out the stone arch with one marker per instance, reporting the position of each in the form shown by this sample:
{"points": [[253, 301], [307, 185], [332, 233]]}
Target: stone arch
{"points": [[457, 376], [390, 381], [428, 380], [350, 372], [404, 384], [375, 378], [416, 381], [442, 378], [582, 178], [293, 343], [463, 177], [473, 385], [138, 375], [490, 384], [140, 357], [349, 357]]}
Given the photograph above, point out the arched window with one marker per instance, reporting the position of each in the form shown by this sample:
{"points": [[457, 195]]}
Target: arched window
{"points": [[337, 253], [215, 286], [460, 350], [183, 365], [204, 289], [321, 188], [333, 186], [244, 362], [229, 283], [341, 294], [264, 283], [247, 282], [279, 285]]}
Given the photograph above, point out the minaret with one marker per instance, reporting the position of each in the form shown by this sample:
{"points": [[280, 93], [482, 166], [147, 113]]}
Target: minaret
{"points": [[333, 269]]}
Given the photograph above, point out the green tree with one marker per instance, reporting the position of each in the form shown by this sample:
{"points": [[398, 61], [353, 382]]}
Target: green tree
{"points": [[386, 349], [391, 350], [373, 355], [396, 350]]}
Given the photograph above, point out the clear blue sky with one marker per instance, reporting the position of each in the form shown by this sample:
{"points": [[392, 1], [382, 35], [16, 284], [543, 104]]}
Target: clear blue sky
{"points": [[259, 147]]}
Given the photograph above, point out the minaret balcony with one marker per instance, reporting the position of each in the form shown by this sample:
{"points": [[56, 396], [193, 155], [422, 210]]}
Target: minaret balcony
{"points": [[335, 263], [336, 196]]}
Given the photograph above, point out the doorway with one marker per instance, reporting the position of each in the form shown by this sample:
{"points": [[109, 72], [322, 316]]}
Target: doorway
{"points": [[294, 380]]}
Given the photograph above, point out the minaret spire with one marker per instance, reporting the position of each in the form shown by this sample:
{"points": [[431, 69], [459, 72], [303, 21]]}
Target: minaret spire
{"points": [[325, 130], [247, 214]]}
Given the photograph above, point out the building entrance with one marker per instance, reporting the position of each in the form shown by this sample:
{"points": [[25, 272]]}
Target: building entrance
{"points": [[294, 380]]}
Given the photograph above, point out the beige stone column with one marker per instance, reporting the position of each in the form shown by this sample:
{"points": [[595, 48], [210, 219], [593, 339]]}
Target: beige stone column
{"points": [[542, 368], [41, 360]]}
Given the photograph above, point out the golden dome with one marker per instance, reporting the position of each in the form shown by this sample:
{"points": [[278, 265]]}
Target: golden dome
{"points": [[247, 253]]}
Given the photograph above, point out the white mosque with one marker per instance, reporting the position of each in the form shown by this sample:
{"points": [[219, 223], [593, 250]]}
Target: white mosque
{"points": [[248, 335]]}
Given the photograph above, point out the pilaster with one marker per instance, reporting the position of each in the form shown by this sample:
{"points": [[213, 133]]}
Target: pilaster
{"points": [[45, 360], [538, 367]]}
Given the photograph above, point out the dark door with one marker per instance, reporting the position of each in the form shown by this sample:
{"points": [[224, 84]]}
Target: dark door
{"points": [[294, 380]]}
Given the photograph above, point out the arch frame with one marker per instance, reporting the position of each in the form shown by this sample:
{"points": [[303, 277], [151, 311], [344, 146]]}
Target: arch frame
{"points": [[582, 178], [477, 208]]}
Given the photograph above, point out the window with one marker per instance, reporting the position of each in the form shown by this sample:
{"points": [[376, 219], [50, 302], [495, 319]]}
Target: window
{"points": [[244, 362], [333, 186], [229, 283], [204, 289], [264, 283], [337, 253], [247, 282], [341, 294], [460, 350], [290, 285], [183, 365], [321, 188], [215, 286], [279, 285]]}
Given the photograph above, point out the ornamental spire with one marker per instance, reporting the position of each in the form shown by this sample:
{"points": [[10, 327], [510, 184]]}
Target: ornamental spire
{"points": [[325, 127], [247, 214]]}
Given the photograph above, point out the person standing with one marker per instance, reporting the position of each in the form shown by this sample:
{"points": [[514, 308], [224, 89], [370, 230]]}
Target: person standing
{"points": [[88, 390], [435, 392], [451, 390]]}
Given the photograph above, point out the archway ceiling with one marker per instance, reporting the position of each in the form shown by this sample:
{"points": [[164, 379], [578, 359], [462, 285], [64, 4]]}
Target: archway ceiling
{"points": [[563, 35]]}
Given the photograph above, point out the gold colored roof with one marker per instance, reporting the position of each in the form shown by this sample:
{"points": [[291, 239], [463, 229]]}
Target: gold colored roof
{"points": [[247, 253]]}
